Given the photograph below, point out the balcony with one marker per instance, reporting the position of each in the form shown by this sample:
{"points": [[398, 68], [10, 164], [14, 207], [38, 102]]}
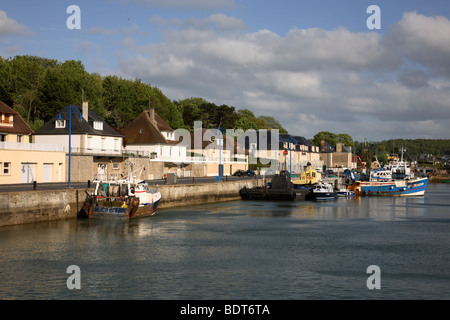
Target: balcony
{"points": [[109, 152], [198, 159], [30, 146]]}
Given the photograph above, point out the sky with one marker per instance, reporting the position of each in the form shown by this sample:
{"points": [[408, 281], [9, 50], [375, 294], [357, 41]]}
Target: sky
{"points": [[312, 65]]}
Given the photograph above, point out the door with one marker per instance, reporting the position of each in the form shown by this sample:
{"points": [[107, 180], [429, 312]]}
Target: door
{"points": [[28, 172], [48, 171]]}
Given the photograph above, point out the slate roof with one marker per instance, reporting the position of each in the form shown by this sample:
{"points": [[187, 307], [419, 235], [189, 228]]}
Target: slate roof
{"points": [[79, 125], [303, 141], [19, 125]]}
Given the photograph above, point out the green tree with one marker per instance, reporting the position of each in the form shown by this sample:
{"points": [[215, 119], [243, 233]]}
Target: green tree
{"points": [[273, 124]]}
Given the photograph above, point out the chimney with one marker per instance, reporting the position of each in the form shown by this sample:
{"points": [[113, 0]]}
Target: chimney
{"points": [[152, 115], [85, 111]]}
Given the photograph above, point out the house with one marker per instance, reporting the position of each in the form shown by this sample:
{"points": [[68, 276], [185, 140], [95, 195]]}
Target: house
{"points": [[338, 159], [95, 147], [263, 148], [213, 152], [298, 152], [150, 136], [282, 151], [22, 161]]}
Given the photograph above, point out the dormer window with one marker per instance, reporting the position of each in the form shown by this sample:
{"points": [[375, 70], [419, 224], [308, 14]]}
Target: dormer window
{"points": [[60, 124], [98, 125], [6, 120]]}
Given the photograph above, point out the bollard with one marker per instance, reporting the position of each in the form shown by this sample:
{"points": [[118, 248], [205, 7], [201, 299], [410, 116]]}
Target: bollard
{"points": [[34, 185], [89, 183]]}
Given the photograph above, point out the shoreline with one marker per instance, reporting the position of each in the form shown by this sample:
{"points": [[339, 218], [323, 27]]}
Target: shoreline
{"points": [[23, 207]]}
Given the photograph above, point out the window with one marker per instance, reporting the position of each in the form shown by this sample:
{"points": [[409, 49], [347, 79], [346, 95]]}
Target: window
{"points": [[6, 167], [115, 166], [60, 124], [3, 137], [98, 125], [19, 138]]}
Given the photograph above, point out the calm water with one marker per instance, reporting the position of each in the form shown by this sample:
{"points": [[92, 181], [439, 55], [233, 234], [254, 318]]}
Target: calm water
{"points": [[240, 250]]}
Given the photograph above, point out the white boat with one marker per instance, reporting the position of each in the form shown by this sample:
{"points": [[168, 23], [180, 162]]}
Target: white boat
{"points": [[321, 192], [345, 193]]}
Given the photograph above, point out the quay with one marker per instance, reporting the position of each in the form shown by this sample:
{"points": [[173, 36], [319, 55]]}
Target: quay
{"points": [[21, 207]]}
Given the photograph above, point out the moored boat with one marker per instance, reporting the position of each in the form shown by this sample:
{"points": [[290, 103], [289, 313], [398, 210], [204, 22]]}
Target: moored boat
{"points": [[120, 199], [399, 187], [345, 193], [322, 192], [280, 188], [396, 179]]}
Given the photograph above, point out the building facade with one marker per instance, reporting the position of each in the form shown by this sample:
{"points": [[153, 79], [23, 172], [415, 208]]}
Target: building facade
{"points": [[22, 161], [94, 147]]}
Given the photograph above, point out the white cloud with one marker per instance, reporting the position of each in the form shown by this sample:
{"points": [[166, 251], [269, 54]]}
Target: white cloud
{"points": [[310, 79], [424, 40], [10, 26]]}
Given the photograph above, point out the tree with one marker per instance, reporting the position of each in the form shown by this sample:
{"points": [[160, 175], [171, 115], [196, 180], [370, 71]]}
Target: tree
{"points": [[273, 124]]}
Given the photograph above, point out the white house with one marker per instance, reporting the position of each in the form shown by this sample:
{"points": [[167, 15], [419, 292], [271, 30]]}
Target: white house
{"points": [[89, 134]]}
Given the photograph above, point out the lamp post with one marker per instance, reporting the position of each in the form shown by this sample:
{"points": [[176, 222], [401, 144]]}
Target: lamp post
{"points": [[70, 107]]}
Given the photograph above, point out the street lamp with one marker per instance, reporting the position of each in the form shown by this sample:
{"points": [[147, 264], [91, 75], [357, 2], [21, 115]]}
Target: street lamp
{"points": [[70, 107]]}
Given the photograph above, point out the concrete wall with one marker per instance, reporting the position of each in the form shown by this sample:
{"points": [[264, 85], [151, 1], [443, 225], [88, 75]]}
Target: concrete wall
{"points": [[40, 206], [80, 168], [191, 194]]}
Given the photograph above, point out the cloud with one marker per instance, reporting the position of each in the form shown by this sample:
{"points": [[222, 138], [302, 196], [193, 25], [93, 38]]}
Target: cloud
{"points": [[424, 40], [10, 26], [365, 84]]}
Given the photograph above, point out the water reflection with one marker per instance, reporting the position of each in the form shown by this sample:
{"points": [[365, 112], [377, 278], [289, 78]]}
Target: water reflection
{"points": [[239, 249]]}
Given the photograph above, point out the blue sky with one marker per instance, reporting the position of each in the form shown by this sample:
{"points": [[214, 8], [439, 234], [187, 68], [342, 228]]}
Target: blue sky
{"points": [[313, 65]]}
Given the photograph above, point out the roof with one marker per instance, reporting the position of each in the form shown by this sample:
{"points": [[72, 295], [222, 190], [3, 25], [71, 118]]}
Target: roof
{"points": [[228, 141], [79, 124], [19, 125], [303, 141], [142, 130], [4, 108]]}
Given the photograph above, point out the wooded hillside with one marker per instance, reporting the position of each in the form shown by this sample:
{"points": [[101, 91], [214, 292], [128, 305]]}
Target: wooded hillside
{"points": [[38, 88]]}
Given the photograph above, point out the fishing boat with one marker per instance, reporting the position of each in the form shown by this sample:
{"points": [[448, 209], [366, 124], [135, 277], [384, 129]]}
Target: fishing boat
{"points": [[322, 192], [120, 199], [395, 179]]}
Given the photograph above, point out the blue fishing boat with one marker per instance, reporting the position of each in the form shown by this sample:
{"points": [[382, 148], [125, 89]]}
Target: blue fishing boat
{"points": [[395, 179], [120, 199]]}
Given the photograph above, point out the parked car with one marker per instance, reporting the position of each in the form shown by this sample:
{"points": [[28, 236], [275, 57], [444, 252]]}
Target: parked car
{"points": [[249, 173], [242, 173]]}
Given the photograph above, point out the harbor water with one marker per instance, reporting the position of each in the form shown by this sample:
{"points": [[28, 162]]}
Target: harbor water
{"points": [[240, 250]]}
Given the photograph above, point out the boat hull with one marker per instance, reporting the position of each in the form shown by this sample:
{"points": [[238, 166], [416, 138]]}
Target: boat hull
{"points": [[127, 209], [326, 196], [413, 187]]}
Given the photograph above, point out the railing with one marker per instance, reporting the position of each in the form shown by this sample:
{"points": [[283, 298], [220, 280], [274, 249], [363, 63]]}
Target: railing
{"points": [[203, 159], [109, 152], [30, 146]]}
